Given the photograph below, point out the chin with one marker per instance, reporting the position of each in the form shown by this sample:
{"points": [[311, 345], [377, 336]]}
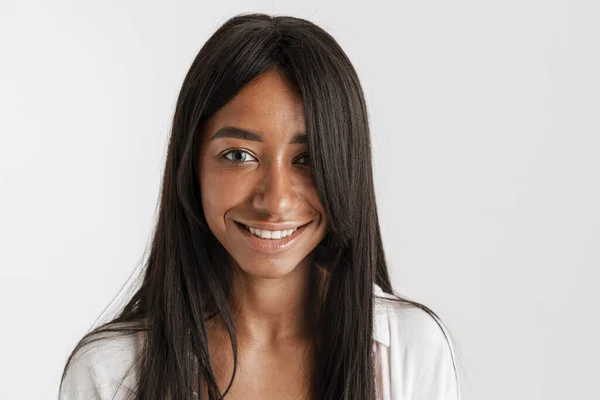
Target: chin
{"points": [[271, 269]]}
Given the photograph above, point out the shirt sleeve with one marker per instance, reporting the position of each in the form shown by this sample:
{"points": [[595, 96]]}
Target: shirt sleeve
{"points": [[420, 358], [100, 370], [437, 377], [82, 381]]}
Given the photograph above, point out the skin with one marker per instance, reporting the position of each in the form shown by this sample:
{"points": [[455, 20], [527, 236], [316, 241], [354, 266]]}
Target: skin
{"points": [[269, 182]]}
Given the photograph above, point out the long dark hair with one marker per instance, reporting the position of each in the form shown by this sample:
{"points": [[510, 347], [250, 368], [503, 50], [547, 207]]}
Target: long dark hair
{"points": [[183, 281]]}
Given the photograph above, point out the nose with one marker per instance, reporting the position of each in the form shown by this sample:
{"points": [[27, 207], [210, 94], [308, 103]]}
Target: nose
{"points": [[276, 194]]}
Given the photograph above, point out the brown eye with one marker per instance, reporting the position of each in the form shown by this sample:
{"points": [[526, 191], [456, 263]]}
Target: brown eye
{"points": [[237, 156], [304, 157]]}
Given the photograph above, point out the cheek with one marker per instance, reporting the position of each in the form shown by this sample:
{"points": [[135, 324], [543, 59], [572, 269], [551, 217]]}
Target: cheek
{"points": [[210, 194], [312, 195], [219, 194]]}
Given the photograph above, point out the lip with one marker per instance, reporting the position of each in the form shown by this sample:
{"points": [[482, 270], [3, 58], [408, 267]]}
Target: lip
{"points": [[281, 227], [271, 245]]}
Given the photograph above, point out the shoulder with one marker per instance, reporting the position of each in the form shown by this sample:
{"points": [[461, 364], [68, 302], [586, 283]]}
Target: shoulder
{"points": [[408, 321], [102, 368], [418, 347]]}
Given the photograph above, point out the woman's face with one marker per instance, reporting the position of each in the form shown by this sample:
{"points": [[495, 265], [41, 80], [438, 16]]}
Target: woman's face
{"points": [[253, 173]]}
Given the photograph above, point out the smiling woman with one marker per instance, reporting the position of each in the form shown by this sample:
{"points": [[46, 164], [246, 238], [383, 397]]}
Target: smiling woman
{"points": [[250, 203], [267, 276]]}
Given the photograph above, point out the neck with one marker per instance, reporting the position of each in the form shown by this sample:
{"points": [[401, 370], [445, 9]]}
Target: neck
{"points": [[274, 311]]}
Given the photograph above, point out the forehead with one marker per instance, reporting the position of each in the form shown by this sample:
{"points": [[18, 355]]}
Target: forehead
{"points": [[269, 105]]}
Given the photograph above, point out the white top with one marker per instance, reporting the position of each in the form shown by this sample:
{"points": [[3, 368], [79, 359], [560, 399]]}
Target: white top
{"points": [[414, 359]]}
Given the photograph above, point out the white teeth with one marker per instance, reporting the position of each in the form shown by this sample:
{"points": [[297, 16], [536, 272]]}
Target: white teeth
{"points": [[265, 234]]}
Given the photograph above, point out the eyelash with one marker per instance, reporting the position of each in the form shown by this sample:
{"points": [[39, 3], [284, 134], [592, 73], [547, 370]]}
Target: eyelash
{"points": [[247, 152]]}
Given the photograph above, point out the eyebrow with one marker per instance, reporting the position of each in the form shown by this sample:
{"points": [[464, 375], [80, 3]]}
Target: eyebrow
{"points": [[238, 133]]}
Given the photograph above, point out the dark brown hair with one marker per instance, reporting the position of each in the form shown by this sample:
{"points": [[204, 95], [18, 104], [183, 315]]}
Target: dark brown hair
{"points": [[183, 280]]}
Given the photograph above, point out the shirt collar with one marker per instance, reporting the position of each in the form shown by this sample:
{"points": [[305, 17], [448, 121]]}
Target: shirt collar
{"points": [[381, 330]]}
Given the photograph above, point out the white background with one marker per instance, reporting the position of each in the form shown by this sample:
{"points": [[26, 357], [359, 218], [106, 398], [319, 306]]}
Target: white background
{"points": [[485, 118]]}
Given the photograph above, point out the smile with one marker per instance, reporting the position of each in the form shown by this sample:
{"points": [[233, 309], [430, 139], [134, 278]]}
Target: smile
{"points": [[270, 241], [266, 234]]}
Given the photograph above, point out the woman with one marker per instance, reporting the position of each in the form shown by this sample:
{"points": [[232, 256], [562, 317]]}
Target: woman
{"points": [[267, 277]]}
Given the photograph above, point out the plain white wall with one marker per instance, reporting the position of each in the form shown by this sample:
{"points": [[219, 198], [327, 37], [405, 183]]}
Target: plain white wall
{"points": [[485, 119]]}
